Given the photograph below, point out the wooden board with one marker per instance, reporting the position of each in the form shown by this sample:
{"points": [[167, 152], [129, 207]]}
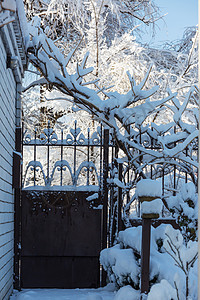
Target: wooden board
{"points": [[61, 240]]}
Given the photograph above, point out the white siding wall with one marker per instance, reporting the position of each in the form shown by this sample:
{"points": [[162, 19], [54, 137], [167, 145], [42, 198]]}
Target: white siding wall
{"points": [[7, 145]]}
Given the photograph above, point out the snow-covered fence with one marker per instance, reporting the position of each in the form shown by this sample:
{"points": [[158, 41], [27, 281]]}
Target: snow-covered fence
{"points": [[171, 173], [60, 157], [171, 170]]}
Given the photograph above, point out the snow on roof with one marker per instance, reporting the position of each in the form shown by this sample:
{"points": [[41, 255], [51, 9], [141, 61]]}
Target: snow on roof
{"points": [[22, 18], [7, 10], [9, 5], [12, 11]]}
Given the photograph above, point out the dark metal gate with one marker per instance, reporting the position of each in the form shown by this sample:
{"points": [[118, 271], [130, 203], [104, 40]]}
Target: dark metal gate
{"points": [[63, 220]]}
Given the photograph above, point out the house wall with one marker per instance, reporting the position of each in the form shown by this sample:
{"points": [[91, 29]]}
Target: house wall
{"points": [[10, 82], [7, 146]]}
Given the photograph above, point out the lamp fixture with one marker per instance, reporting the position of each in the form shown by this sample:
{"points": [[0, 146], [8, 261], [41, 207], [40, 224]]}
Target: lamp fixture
{"points": [[12, 62]]}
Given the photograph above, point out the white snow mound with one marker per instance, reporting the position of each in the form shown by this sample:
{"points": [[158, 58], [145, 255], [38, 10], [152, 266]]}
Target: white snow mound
{"points": [[150, 207], [149, 187], [162, 290], [127, 293]]}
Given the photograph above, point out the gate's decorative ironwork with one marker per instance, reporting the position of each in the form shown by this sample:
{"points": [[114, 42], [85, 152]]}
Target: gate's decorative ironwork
{"points": [[59, 159], [63, 157], [71, 157]]}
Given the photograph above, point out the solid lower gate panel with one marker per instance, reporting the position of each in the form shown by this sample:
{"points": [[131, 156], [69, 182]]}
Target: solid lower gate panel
{"points": [[61, 240], [60, 272]]}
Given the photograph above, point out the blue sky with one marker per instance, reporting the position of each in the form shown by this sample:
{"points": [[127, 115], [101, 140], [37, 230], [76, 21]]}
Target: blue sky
{"points": [[181, 14]]}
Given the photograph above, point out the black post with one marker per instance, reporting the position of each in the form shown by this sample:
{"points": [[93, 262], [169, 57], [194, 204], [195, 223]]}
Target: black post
{"points": [[145, 255], [119, 200], [105, 195], [17, 207]]}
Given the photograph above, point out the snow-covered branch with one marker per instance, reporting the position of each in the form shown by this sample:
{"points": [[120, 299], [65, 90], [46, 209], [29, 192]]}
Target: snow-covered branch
{"points": [[127, 113]]}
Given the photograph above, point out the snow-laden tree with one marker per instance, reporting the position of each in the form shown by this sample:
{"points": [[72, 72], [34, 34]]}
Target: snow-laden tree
{"points": [[95, 22], [111, 54], [68, 19], [177, 71], [128, 114]]}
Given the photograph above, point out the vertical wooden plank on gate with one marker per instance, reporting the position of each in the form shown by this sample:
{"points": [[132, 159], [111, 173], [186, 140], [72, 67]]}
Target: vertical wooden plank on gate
{"points": [[17, 214], [105, 194]]}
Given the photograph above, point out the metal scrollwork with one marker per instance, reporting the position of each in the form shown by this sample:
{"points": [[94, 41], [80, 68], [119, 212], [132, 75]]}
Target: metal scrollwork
{"points": [[51, 201], [27, 139], [82, 140], [146, 141], [95, 139]]}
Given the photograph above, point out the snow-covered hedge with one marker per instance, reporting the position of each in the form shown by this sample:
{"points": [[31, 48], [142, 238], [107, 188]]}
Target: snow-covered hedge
{"points": [[185, 209], [173, 254], [169, 275]]}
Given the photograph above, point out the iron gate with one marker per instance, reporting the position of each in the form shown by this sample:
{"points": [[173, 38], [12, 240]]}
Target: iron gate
{"points": [[63, 223]]}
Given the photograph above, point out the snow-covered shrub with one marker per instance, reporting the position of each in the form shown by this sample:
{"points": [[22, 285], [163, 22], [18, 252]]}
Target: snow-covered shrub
{"points": [[121, 265], [122, 262], [172, 263], [184, 208], [162, 290], [184, 256]]}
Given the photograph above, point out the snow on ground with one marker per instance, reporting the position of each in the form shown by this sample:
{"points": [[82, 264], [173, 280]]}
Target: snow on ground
{"points": [[106, 293]]}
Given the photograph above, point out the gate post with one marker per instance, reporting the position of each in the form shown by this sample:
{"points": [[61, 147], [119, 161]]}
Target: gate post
{"points": [[17, 206], [145, 256], [105, 195]]}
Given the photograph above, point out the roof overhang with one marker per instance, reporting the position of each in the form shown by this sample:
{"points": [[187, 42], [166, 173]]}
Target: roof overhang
{"points": [[13, 39]]}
